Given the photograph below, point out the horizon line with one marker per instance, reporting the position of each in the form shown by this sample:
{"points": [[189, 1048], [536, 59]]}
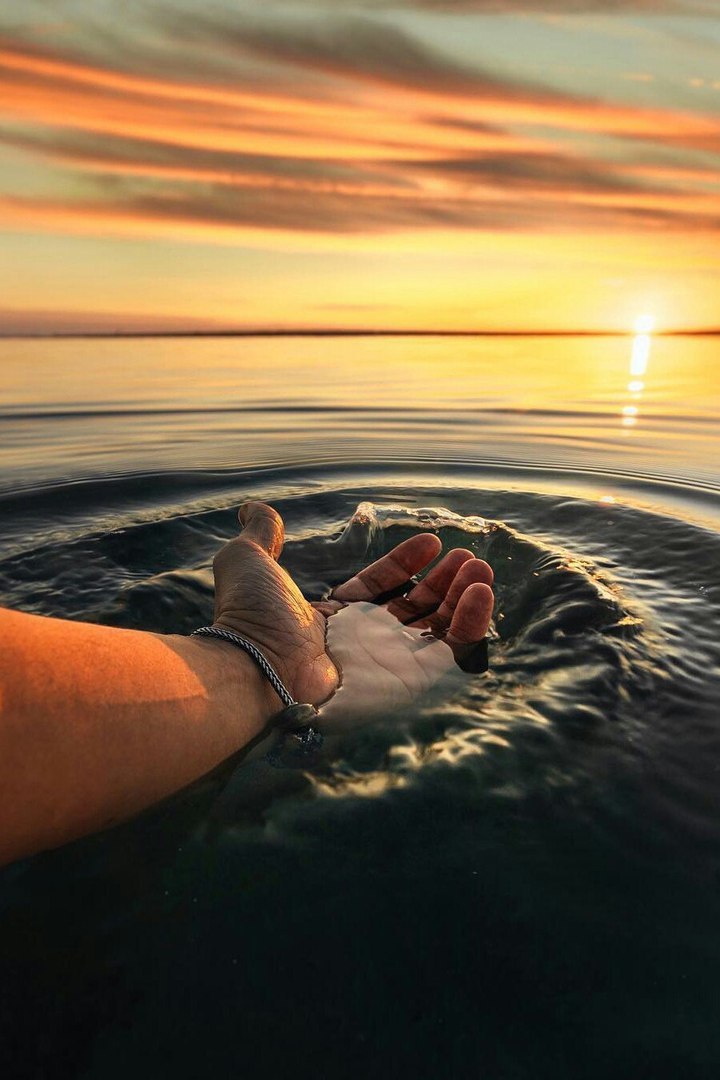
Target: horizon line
{"points": [[343, 332]]}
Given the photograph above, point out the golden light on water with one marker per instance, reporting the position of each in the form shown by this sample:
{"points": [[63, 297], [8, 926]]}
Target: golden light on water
{"points": [[639, 359], [640, 354]]}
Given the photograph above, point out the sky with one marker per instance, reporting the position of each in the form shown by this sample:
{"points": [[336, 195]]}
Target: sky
{"points": [[417, 164]]}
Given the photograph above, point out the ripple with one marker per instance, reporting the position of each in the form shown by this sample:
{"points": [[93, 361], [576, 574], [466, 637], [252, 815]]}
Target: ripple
{"points": [[604, 637], [554, 818]]}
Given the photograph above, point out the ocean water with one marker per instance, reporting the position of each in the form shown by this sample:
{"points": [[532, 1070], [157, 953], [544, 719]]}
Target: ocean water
{"points": [[516, 878]]}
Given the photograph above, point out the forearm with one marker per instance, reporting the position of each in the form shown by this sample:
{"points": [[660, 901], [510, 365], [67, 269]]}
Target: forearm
{"points": [[97, 723]]}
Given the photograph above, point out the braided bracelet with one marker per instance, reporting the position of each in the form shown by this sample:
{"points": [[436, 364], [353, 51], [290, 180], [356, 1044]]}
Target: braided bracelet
{"points": [[295, 717]]}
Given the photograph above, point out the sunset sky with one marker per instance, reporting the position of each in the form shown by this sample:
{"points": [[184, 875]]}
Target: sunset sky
{"points": [[468, 164]]}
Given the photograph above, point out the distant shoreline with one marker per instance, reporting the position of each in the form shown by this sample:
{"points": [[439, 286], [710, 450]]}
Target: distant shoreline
{"points": [[321, 333]]}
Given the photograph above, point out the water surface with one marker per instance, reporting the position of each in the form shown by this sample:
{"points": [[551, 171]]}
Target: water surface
{"points": [[515, 878]]}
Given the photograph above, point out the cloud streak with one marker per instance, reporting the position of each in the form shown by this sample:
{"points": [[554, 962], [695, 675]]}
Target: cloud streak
{"points": [[531, 7], [348, 126]]}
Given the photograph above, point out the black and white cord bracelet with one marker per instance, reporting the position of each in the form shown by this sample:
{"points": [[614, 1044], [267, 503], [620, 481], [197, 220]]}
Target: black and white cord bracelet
{"points": [[295, 718]]}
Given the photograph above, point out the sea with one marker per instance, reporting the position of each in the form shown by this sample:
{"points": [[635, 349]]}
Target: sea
{"points": [[515, 879]]}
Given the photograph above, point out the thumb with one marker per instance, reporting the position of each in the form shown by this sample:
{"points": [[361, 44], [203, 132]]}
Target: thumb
{"points": [[263, 526]]}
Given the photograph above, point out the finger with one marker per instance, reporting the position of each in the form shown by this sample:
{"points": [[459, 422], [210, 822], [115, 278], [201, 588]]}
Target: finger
{"points": [[471, 618], [392, 570], [328, 607], [472, 572], [430, 593], [263, 526]]}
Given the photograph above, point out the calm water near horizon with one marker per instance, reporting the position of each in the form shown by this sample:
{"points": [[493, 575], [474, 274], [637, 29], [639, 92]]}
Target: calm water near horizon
{"points": [[517, 881], [82, 408]]}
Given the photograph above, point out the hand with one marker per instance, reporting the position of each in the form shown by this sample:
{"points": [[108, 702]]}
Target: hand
{"points": [[255, 597]]}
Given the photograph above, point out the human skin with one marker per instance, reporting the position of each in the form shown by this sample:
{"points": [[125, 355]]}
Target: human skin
{"points": [[97, 723]]}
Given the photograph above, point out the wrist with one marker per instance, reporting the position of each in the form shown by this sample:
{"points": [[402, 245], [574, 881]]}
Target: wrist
{"points": [[234, 679]]}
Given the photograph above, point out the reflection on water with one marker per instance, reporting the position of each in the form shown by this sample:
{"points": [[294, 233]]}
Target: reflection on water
{"points": [[638, 367], [73, 409], [640, 354]]}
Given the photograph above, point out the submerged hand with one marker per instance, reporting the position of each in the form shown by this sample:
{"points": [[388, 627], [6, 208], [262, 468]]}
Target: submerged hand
{"points": [[385, 665], [255, 597]]}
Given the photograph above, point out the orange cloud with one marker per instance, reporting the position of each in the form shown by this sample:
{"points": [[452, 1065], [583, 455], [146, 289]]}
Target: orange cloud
{"points": [[349, 133]]}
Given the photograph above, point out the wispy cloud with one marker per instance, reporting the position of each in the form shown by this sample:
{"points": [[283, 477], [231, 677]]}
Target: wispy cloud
{"points": [[502, 7], [329, 125]]}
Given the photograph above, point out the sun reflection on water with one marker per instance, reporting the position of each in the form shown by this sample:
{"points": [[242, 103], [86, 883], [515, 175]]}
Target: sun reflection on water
{"points": [[639, 359], [640, 354]]}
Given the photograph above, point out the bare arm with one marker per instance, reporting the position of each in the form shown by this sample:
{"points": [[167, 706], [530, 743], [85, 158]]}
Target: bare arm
{"points": [[98, 723]]}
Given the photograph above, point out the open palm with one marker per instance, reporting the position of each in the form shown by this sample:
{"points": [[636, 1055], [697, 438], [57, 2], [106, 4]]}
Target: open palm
{"points": [[384, 665], [386, 651]]}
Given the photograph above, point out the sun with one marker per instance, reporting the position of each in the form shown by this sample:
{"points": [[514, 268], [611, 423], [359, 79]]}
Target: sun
{"points": [[644, 324]]}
